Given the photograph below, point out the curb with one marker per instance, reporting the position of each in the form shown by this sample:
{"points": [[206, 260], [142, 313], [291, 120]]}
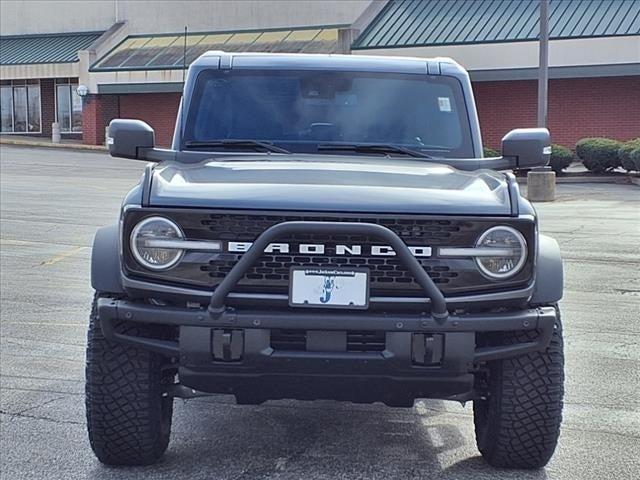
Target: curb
{"points": [[589, 179], [35, 143]]}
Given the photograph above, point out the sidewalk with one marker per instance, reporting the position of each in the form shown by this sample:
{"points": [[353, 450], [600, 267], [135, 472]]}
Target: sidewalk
{"points": [[28, 141]]}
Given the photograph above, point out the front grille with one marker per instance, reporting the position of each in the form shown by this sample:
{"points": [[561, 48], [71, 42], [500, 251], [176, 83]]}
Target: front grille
{"points": [[246, 228], [273, 269], [388, 277]]}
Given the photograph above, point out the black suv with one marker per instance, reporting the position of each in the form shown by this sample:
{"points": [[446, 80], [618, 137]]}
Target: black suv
{"points": [[325, 227]]}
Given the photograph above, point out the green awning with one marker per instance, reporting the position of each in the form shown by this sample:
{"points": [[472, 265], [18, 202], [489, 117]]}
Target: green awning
{"points": [[46, 48], [414, 23], [165, 51]]}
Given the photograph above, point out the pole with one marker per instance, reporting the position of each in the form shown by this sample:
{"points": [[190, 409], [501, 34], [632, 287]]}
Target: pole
{"points": [[543, 68]]}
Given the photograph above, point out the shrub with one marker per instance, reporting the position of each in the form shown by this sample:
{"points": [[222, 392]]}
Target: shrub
{"points": [[561, 158], [625, 154], [599, 154], [635, 156], [490, 152]]}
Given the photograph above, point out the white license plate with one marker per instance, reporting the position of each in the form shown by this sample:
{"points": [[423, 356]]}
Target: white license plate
{"points": [[329, 288]]}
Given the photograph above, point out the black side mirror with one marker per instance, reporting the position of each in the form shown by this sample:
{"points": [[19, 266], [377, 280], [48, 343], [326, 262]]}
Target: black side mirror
{"points": [[128, 138], [527, 147]]}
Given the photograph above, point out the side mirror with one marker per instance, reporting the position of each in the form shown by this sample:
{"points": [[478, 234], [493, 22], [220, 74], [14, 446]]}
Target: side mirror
{"points": [[527, 147], [128, 138]]}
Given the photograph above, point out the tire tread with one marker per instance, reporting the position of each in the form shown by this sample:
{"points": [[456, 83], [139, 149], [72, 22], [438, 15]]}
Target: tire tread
{"points": [[519, 425], [128, 420]]}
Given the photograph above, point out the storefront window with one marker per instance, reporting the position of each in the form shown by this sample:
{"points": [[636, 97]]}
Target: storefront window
{"points": [[20, 106], [68, 106], [6, 108], [63, 95], [33, 107], [19, 109]]}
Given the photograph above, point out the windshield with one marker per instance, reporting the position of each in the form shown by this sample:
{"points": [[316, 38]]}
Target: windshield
{"points": [[304, 110]]}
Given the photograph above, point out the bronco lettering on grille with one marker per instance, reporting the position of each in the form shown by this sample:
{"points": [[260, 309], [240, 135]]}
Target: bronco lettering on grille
{"points": [[319, 249]]}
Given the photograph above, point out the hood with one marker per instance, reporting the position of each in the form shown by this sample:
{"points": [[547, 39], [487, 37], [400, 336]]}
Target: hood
{"points": [[330, 184]]}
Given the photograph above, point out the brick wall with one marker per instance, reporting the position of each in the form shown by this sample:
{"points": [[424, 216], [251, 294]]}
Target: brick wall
{"points": [[157, 109], [47, 105], [97, 112], [578, 107]]}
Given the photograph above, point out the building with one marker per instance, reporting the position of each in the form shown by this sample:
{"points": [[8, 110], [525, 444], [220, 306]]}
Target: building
{"points": [[130, 55]]}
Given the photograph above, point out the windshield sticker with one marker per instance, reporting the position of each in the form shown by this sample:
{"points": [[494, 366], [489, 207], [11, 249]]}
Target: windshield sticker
{"points": [[444, 103]]}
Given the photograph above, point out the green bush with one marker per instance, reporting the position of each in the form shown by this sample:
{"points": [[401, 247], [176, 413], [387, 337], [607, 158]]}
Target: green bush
{"points": [[625, 153], [635, 156], [490, 152], [599, 154], [561, 158]]}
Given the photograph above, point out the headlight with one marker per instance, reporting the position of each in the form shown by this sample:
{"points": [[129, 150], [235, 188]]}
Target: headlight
{"points": [[147, 239], [501, 252]]}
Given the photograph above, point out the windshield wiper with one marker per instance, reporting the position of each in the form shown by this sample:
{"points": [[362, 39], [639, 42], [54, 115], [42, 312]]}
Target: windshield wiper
{"points": [[373, 148], [236, 144]]}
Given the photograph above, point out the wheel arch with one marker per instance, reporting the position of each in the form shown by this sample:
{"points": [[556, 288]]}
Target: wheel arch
{"points": [[105, 260], [549, 284]]}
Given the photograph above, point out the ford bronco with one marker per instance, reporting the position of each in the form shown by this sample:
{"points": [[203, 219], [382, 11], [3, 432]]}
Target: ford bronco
{"points": [[326, 227]]}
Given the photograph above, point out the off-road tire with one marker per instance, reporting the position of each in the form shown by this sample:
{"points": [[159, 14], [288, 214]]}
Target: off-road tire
{"points": [[128, 418], [518, 422]]}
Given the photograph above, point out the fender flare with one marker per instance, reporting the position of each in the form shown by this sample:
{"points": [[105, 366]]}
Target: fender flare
{"points": [[549, 283], [105, 260]]}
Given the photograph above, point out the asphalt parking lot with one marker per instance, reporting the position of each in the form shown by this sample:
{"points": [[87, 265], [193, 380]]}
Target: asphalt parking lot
{"points": [[52, 202]]}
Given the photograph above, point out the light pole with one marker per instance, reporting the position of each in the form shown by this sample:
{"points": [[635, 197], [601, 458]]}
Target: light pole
{"points": [[541, 182], [543, 68]]}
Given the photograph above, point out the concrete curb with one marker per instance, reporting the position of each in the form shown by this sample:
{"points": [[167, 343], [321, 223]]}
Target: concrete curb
{"points": [[43, 144], [590, 179]]}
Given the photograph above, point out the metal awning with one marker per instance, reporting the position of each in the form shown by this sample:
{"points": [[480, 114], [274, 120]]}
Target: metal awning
{"points": [[165, 51], [411, 23], [45, 48]]}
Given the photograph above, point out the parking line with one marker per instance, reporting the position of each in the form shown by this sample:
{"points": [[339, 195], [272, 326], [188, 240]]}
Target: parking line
{"points": [[62, 256]]}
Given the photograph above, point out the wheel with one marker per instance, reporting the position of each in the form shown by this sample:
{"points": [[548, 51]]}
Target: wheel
{"points": [[518, 416], [128, 418]]}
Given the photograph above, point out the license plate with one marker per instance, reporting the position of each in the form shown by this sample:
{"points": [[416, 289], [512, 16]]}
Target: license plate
{"points": [[311, 287]]}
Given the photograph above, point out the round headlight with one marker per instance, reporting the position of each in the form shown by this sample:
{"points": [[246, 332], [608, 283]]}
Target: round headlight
{"points": [[147, 239], [510, 252]]}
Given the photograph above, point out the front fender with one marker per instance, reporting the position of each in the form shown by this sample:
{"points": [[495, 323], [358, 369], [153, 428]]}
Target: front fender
{"points": [[549, 284], [105, 261]]}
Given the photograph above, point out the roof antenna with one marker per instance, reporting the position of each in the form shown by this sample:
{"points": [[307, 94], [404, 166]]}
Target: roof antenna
{"points": [[184, 75]]}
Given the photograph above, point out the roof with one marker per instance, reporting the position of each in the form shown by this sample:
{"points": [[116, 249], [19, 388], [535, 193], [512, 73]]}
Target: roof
{"points": [[413, 23], [166, 51], [45, 48], [327, 62]]}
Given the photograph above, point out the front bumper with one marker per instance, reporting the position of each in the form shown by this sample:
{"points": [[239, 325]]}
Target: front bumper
{"points": [[422, 357]]}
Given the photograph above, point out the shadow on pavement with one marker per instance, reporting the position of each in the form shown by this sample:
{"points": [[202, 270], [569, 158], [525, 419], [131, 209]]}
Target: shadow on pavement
{"points": [[325, 440], [475, 468]]}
